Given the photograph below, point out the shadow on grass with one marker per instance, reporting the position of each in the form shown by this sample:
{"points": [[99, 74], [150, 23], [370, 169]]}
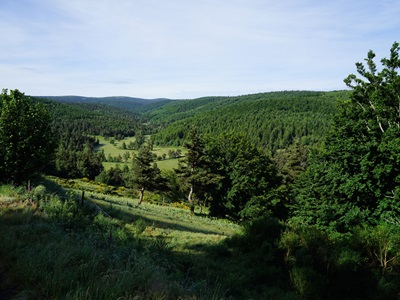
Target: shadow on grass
{"points": [[115, 210]]}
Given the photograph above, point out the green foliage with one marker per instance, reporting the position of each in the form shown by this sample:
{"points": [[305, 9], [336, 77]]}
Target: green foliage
{"points": [[76, 163], [291, 162], [249, 178], [362, 264], [114, 176], [354, 178], [140, 226], [174, 191], [26, 137], [9, 190], [40, 191], [381, 245]]}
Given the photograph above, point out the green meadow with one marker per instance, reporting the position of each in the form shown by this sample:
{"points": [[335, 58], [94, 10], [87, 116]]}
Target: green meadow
{"points": [[115, 149]]}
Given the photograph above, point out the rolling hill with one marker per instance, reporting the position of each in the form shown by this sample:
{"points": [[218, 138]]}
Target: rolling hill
{"points": [[271, 120]]}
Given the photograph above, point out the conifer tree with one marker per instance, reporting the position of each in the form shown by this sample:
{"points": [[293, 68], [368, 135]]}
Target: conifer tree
{"points": [[146, 176], [194, 169]]}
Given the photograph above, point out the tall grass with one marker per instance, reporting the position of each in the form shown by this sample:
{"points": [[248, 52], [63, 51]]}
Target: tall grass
{"points": [[55, 249], [8, 190]]}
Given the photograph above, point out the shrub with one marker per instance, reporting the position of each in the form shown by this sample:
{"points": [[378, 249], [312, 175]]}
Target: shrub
{"points": [[40, 191]]}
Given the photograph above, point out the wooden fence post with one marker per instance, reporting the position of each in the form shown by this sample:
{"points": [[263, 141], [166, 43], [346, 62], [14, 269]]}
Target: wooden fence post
{"points": [[83, 197]]}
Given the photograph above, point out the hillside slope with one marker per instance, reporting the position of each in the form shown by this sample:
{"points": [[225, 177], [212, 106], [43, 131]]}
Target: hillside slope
{"points": [[93, 118], [270, 120]]}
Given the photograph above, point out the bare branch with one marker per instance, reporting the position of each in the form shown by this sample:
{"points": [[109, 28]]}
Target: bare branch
{"points": [[380, 125], [363, 108]]}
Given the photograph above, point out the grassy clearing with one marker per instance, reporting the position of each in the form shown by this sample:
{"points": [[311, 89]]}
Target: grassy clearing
{"points": [[116, 150], [108, 165], [168, 164], [164, 150], [124, 252]]}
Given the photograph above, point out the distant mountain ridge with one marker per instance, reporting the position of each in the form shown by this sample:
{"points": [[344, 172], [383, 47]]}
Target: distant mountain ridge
{"points": [[124, 102]]}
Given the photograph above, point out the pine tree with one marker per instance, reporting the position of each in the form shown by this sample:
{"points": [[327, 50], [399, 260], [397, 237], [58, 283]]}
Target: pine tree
{"points": [[194, 169], [146, 176]]}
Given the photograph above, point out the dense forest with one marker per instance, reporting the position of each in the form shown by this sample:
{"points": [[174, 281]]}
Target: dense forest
{"points": [[311, 178], [270, 120]]}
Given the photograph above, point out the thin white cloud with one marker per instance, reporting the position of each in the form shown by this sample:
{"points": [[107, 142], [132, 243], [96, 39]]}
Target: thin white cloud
{"points": [[181, 48]]}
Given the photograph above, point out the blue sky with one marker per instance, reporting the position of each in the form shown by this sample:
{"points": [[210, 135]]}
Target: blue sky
{"points": [[188, 49]]}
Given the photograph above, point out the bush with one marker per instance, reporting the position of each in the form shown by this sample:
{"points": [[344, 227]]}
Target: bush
{"points": [[39, 192]]}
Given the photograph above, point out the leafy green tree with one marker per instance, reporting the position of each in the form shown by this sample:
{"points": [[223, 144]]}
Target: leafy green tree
{"points": [[355, 177], [26, 137], [249, 182], [146, 176]]}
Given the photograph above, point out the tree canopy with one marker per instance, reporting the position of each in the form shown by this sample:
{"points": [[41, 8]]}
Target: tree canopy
{"points": [[26, 137], [355, 176], [248, 178]]}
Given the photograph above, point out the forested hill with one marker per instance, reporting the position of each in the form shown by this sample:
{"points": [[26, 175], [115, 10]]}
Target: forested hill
{"points": [[270, 120], [127, 103], [93, 119]]}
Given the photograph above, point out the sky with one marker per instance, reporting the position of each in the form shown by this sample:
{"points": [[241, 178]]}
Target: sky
{"points": [[182, 49]]}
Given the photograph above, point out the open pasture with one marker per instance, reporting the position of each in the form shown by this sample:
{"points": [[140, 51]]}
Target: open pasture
{"points": [[116, 150]]}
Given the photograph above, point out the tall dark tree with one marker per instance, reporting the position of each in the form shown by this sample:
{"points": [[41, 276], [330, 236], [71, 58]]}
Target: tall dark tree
{"points": [[194, 169], [26, 137], [146, 176], [355, 177]]}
